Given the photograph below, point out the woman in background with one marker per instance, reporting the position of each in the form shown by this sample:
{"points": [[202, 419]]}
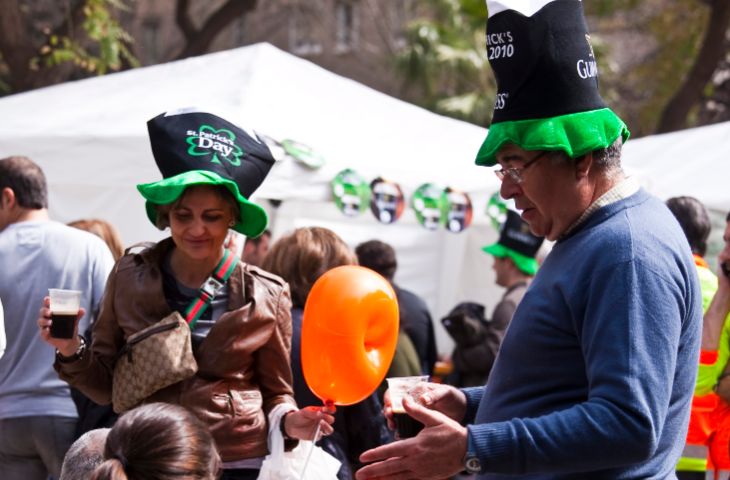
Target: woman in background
{"points": [[300, 258], [104, 230]]}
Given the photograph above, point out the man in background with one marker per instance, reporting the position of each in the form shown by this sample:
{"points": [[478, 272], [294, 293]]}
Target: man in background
{"points": [[706, 413], [37, 415], [415, 318], [514, 266], [255, 249]]}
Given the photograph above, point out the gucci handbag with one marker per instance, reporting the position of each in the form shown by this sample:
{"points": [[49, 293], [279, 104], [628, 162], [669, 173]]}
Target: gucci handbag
{"points": [[162, 354]]}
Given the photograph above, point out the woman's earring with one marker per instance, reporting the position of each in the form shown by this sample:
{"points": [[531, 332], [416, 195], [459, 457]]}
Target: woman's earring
{"points": [[231, 223]]}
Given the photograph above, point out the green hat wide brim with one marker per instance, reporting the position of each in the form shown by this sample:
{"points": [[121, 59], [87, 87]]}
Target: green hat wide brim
{"points": [[525, 264], [576, 134], [253, 219]]}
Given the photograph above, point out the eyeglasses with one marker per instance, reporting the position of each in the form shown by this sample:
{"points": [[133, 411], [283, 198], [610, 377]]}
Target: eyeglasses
{"points": [[515, 173]]}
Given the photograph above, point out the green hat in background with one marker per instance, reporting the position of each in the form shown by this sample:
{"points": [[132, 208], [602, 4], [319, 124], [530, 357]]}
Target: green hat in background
{"points": [[197, 148], [547, 81], [518, 243]]}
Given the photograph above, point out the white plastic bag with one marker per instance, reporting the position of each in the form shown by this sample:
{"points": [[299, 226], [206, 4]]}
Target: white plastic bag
{"points": [[281, 465]]}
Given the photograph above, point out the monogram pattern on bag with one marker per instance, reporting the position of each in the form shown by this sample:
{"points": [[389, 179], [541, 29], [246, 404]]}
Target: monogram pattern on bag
{"points": [[151, 361]]}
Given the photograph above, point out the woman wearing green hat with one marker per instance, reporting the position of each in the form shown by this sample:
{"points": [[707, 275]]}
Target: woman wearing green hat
{"points": [[241, 341]]}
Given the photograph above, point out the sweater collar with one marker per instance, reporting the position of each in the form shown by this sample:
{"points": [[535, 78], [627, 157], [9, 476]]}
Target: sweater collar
{"points": [[624, 189]]}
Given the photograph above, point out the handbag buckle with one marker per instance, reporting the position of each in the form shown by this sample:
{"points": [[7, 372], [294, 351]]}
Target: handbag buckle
{"points": [[211, 287]]}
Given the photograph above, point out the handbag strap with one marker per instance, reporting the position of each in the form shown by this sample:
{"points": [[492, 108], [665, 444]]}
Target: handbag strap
{"points": [[211, 287]]}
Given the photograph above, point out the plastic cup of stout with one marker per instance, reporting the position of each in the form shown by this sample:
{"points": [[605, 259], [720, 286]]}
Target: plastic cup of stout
{"points": [[405, 425], [64, 310]]}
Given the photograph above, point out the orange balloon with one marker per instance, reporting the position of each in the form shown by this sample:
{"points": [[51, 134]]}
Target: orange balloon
{"points": [[349, 333]]}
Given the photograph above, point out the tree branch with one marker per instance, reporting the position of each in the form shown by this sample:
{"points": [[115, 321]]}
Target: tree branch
{"points": [[199, 41], [183, 19], [674, 116]]}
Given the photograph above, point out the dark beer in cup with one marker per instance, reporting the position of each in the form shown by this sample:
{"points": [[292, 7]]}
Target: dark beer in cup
{"points": [[406, 426], [64, 310], [62, 325]]}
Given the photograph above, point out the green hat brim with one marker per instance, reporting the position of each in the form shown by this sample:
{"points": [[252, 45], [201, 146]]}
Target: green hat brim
{"points": [[524, 263], [576, 134], [253, 219]]}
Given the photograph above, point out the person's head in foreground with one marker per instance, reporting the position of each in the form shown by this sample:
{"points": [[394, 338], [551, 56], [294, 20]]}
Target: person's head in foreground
{"points": [[85, 454], [158, 441]]}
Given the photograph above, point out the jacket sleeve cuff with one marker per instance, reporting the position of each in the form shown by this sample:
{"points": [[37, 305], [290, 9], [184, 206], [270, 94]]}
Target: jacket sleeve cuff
{"points": [[708, 357], [492, 443]]}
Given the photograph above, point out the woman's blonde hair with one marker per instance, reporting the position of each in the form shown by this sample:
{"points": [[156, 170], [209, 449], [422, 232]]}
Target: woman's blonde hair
{"points": [[302, 256], [104, 230]]}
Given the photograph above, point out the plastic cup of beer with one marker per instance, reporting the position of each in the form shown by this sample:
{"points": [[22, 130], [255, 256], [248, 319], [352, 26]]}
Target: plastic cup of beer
{"points": [[64, 310], [405, 425]]}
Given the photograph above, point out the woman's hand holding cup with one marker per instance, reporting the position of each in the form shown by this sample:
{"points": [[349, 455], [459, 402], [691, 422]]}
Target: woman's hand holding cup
{"points": [[64, 337]]}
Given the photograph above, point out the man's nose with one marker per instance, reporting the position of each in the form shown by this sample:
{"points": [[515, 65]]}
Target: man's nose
{"points": [[509, 188]]}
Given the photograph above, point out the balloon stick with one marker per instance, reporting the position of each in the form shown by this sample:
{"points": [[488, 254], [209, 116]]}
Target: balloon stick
{"points": [[328, 408]]}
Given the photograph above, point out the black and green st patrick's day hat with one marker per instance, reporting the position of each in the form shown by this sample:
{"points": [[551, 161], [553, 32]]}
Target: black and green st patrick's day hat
{"points": [[547, 81], [518, 243], [197, 148]]}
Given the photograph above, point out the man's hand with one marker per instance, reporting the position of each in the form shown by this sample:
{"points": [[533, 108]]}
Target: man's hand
{"points": [[436, 396], [437, 452]]}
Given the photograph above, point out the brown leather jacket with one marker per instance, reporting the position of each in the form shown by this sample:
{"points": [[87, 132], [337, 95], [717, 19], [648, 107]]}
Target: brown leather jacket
{"points": [[243, 363]]}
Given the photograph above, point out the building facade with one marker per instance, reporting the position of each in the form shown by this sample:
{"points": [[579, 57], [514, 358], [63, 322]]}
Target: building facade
{"points": [[354, 38]]}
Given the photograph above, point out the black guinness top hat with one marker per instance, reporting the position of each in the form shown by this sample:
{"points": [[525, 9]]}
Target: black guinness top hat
{"points": [[547, 81], [198, 148], [517, 242]]}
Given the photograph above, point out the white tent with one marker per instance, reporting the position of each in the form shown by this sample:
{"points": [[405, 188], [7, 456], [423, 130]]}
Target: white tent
{"points": [[90, 138], [688, 162]]}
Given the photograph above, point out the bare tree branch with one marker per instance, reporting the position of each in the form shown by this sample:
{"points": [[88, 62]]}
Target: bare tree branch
{"points": [[183, 19], [675, 113], [198, 41], [15, 44]]}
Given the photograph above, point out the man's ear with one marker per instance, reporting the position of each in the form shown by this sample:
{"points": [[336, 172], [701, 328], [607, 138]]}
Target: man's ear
{"points": [[7, 198], [583, 165]]}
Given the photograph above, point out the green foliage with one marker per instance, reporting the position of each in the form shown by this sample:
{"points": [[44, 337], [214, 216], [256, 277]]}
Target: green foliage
{"points": [[445, 60], [608, 7], [108, 41]]}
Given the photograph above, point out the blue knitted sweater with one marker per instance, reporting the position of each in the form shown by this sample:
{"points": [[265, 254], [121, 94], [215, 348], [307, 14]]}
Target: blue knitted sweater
{"points": [[594, 378]]}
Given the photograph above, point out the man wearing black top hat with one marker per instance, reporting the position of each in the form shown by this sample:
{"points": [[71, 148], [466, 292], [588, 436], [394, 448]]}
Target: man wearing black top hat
{"points": [[477, 341], [595, 375]]}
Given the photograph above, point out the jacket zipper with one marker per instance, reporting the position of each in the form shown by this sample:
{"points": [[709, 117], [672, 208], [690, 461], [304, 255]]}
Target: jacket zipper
{"points": [[127, 349]]}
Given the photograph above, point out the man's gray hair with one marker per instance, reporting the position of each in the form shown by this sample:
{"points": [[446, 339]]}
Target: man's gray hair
{"points": [[85, 455], [608, 160]]}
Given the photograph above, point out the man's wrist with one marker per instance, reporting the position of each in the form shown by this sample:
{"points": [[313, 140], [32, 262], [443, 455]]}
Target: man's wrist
{"points": [[472, 463]]}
